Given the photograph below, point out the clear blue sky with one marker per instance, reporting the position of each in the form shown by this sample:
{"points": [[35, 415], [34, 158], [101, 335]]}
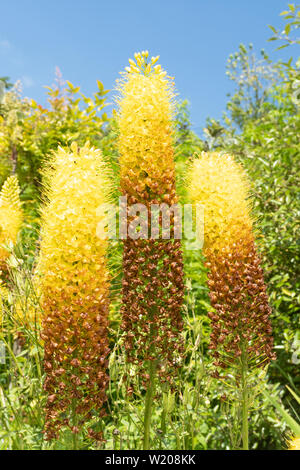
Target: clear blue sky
{"points": [[92, 39]]}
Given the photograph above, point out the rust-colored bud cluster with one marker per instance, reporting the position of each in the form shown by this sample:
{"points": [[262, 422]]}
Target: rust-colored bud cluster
{"points": [[75, 361], [152, 298], [240, 322], [241, 329]]}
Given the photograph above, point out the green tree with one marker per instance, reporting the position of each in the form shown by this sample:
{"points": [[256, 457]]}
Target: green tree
{"points": [[29, 131]]}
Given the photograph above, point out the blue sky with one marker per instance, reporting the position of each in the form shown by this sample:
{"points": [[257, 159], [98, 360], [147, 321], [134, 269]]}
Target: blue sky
{"points": [[92, 39]]}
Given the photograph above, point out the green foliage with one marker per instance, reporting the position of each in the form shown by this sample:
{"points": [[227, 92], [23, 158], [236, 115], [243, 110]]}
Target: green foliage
{"points": [[29, 132], [6, 83], [289, 33], [186, 141], [253, 78]]}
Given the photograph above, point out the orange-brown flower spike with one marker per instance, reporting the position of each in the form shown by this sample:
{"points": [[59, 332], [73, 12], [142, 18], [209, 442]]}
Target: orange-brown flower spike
{"points": [[153, 268], [72, 277], [241, 336], [240, 321]]}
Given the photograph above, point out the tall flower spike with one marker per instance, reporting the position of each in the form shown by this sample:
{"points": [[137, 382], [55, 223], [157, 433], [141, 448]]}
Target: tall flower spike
{"points": [[241, 332], [72, 276], [11, 216], [153, 268]]}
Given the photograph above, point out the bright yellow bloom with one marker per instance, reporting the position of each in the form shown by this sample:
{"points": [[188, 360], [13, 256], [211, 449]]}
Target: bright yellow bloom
{"points": [[72, 277], [294, 444], [11, 214], [146, 107], [220, 185], [71, 254]]}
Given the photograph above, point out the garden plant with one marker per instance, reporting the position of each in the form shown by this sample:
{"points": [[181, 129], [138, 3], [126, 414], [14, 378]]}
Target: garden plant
{"points": [[118, 329]]}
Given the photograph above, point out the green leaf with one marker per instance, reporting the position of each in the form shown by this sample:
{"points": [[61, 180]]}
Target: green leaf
{"points": [[297, 398], [100, 85], [273, 29], [293, 425], [282, 47], [287, 292], [287, 29], [70, 85], [1, 91], [72, 88]]}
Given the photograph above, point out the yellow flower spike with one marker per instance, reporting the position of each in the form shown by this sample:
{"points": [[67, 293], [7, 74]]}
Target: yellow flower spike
{"points": [[146, 108], [241, 338], [152, 291], [11, 215], [72, 279]]}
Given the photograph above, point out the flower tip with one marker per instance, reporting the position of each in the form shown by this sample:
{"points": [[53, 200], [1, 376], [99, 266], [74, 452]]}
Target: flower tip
{"points": [[74, 147], [154, 59]]}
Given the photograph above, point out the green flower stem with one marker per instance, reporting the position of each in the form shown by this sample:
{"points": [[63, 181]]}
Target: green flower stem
{"points": [[245, 407], [149, 396], [74, 421], [148, 404], [163, 422]]}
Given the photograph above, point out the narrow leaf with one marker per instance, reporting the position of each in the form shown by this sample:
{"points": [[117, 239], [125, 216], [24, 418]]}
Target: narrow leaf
{"points": [[293, 425]]}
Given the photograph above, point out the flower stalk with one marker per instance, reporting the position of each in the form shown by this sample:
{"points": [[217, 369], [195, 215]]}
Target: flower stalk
{"points": [[245, 405], [72, 278], [152, 290], [241, 339]]}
